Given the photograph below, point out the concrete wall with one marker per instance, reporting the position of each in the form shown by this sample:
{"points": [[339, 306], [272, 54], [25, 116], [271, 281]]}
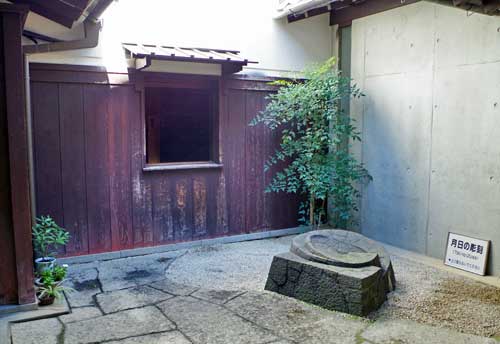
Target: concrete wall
{"points": [[431, 124], [224, 24]]}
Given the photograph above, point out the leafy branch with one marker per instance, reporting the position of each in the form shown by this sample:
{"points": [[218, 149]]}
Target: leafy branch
{"points": [[315, 134]]}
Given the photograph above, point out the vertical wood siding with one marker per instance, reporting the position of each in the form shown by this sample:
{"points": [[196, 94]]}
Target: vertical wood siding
{"points": [[89, 150]]}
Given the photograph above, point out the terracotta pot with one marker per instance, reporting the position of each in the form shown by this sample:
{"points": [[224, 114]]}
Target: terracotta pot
{"points": [[46, 300]]}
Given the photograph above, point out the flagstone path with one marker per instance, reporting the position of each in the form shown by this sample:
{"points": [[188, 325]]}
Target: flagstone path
{"points": [[140, 300]]}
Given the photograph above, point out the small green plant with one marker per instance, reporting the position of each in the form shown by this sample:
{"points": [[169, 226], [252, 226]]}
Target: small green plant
{"points": [[54, 290], [47, 277], [47, 235], [59, 272], [53, 275], [315, 132]]}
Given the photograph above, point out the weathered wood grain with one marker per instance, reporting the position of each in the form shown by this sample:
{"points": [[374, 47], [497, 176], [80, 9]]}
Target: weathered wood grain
{"points": [[119, 168], [72, 138], [96, 108], [118, 202]]}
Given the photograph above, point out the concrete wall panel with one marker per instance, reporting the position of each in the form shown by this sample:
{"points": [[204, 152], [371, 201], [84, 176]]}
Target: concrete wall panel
{"points": [[409, 30], [430, 124], [397, 140], [465, 183], [465, 38]]}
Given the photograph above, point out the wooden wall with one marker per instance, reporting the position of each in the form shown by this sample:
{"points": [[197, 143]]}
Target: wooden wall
{"points": [[89, 156]]}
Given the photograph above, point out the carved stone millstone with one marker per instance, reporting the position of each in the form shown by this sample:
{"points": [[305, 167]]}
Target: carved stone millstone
{"points": [[334, 269]]}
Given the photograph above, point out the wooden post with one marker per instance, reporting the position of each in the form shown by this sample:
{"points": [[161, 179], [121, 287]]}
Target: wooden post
{"points": [[15, 217]]}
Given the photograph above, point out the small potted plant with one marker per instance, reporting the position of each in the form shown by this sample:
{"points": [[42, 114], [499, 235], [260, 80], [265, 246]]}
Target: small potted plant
{"points": [[46, 278], [55, 274], [47, 235], [49, 292]]}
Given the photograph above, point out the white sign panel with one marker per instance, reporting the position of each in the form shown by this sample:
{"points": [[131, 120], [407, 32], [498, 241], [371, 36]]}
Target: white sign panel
{"points": [[466, 253]]}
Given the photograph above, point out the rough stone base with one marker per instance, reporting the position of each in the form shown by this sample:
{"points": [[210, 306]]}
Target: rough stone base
{"points": [[357, 291]]}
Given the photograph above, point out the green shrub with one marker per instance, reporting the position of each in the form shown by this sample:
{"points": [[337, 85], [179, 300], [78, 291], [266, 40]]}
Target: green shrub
{"points": [[315, 132]]}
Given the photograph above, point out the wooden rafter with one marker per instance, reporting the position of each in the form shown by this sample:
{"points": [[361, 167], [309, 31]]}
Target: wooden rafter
{"points": [[344, 11]]}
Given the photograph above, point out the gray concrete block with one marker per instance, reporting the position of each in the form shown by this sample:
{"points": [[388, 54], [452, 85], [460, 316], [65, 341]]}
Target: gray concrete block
{"points": [[295, 321], [174, 337], [216, 296], [45, 331], [208, 323], [78, 314], [119, 325], [114, 301], [173, 288]]}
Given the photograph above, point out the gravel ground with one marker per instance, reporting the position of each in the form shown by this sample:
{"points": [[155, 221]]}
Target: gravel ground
{"points": [[239, 266], [435, 297], [424, 294]]}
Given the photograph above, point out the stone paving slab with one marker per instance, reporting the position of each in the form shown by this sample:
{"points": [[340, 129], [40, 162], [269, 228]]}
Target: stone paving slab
{"points": [[79, 314], [173, 337], [403, 331], [130, 272], [85, 283], [297, 321], [45, 331], [237, 312], [116, 326], [119, 300], [216, 296], [174, 288], [207, 323]]}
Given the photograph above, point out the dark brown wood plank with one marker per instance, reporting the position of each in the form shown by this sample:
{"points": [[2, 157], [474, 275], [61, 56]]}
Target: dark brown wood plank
{"points": [[200, 206], [182, 209], [73, 167], [119, 152], [212, 186], [234, 160], [162, 210], [256, 154], [96, 109], [62, 12], [282, 207], [222, 222], [79, 77], [142, 199], [47, 150]]}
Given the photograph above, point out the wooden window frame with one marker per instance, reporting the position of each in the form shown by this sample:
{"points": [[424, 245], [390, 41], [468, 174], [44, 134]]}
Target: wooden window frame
{"points": [[180, 81]]}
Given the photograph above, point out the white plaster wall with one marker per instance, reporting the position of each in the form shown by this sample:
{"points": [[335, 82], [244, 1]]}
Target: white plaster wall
{"points": [[224, 24], [430, 125]]}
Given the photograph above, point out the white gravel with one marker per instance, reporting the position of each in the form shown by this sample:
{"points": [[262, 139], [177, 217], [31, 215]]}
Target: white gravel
{"points": [[238, 266]]}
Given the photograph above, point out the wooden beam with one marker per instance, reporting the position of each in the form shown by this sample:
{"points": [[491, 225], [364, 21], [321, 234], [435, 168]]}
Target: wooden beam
{"points": [[314, 12], [61, 12], [358, 9], [12, 23]]}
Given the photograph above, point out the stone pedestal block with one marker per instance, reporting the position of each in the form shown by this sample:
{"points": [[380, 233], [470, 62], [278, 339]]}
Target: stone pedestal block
{"points": [[358, 286]]}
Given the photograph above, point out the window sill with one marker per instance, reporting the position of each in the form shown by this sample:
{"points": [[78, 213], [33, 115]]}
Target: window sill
{"points": [[181, 166]]}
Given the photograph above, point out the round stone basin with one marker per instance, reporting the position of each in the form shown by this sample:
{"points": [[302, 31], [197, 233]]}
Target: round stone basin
{"points": [[336, 247]]}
